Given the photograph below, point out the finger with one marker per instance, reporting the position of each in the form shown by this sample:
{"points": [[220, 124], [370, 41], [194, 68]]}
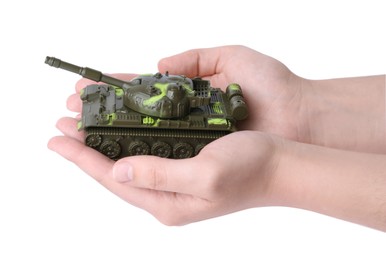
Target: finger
{"points": [[169, 208], [197, 62], [97, 166], [82, 83], [89, 160], [160, 174], [68, 126], [210, 173], [74, 103]]}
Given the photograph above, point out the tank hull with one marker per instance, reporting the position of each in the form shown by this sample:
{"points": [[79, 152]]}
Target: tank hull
{"points": [[117, 131]]}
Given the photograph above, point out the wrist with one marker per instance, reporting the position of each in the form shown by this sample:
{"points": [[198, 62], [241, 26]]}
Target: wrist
{"points": [[342, 184], [348, 113]]}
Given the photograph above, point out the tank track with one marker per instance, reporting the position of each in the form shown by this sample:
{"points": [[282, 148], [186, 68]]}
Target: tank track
{"points": [[117, 143]]}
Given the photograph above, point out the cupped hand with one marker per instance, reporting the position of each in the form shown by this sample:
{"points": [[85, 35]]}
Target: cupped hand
{"points": [[273, 93], [182, 191]]}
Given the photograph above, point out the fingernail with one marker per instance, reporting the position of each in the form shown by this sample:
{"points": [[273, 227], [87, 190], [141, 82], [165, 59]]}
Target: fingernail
{"points": [[123, 172]]}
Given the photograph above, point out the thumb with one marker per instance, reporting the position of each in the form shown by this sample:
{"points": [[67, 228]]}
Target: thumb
{"points": [[155, 173]]}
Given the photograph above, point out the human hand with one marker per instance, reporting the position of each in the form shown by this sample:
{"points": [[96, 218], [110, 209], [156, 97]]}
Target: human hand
{"points": [[272, 91], [346, 113], [182, 191]]}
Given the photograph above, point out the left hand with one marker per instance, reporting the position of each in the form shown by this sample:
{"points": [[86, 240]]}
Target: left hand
{"points": [[233, 173]]}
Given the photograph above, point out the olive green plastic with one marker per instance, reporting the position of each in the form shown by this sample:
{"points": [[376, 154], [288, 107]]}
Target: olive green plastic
{"points": [[154, 114]]}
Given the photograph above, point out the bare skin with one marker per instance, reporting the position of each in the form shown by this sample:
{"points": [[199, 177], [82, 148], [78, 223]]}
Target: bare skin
{"points": [[316, 145]]}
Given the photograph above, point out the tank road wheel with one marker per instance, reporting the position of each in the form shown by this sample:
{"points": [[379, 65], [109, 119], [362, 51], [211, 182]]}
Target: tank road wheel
{"points": [[182, 150], [161, 149], [138, 148], [93, 140], [111, 149]]}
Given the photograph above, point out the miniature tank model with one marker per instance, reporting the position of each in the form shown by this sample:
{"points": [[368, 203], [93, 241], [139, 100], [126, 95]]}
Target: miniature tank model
{"points": [[164, 115]]}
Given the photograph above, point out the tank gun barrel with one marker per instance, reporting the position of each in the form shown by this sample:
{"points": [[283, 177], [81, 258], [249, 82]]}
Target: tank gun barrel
{"points": [[85, 72]]}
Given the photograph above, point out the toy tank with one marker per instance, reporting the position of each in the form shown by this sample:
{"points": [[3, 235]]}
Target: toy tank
{"points": [[164, 115]]}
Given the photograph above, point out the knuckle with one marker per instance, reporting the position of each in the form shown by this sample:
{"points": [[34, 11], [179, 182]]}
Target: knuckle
{"points": [[157, 176], [214, 184]]}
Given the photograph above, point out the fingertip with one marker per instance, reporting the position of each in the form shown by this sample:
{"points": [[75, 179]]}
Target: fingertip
{"points": [[59, 123], [181, 64], [74, 103], [68, 126], [165, 64], [122, 171], [195, 62], [82, 83], [56, 144], [51, 143]]}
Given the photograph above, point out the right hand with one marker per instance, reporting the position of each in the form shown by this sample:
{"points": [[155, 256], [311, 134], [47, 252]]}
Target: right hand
{"points": [[272, 92], [347, 113]]}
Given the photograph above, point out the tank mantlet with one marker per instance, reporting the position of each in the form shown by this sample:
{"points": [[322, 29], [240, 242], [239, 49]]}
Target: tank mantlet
{"points": [[154, 114]]}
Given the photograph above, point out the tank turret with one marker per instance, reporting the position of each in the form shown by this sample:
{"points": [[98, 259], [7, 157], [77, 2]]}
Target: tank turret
{"points": [[160, 95], [160, 114]]}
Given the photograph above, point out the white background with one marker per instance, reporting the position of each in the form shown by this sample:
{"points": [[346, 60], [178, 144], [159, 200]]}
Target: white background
{"points": [[49, 209]]}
